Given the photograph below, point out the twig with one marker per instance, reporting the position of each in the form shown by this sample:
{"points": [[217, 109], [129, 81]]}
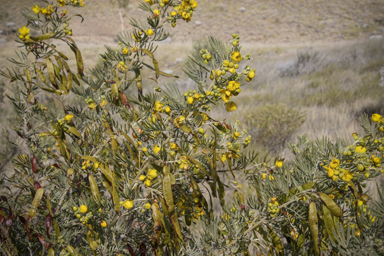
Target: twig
{"points": [[4, 232]]}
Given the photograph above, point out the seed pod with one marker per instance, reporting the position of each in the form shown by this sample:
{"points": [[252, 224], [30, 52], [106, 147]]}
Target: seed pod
{"points": [[93, 245], [71, 250], [36, 202], [70, 171], [34, 164], [328, 221], [94, 188], [28, 75], [139, 83], [48, 223], [51, 72], [37, 185], [130, 249], [143, 249], [314, 228], [156, 215], [41, 75], [51, 252], [167, 192], [176, 225], [331, 205], [276, 241]]}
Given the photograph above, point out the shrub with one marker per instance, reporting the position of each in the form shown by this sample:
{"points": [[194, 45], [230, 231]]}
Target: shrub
{"points": [[274, 125], [126, 175]]}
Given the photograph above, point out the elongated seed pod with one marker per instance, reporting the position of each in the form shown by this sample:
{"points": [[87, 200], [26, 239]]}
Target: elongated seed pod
{"points": [[331, 205], [328, 221], [156, 215], [167, 192], [51, 252], [276, 241], [314, 228], [94, 188], [28, 75], [34, 164], [37, 199]]}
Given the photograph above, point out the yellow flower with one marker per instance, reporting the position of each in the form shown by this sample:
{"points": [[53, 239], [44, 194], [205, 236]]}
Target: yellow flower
{"points": [[148, 183], [347, 175], [376, 160], [376, 118], [36, 9], [190, 100], [360, 149], [251, 74], [61, 2], [178, 121], [156, 12], [233, 85], [167, 109], [158, 106], [103, 103], [236, 135], [24, 32], [142, 177], [150, 32], [125, 50], [331, 172], [173, 13], [332, 196], [68, 118], [147, 206], [83, 209], [335, 163], [92, 105], [226, 95], [264, 175], [279, 163], [236, 57], [173, 145], [270, 177], [232, 70], [231, 106], [128, 204], [152, 174], [156, 149], [145, 149], [103, 224], [225, 63]]}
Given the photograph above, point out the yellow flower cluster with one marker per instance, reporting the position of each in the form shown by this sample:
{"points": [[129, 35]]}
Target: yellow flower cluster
{"points": [[128, 204], [158, 107], [47, 11], [122, 67], [379, 120], [273, 207], [24, 33], [80, 213], [184, 10], [335, 172], [91, 104], [193, 96], [77, 3], [152, 174], [67, 30]]}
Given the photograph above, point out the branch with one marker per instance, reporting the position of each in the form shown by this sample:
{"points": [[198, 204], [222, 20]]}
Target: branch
{"points": [[5, 233]]}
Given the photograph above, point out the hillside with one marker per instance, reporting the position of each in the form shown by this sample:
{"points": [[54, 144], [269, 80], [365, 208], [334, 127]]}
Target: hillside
{"points": [[262, 21]]}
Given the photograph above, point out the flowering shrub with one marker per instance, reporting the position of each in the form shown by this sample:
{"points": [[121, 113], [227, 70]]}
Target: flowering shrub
{"points": [[123, 175]]}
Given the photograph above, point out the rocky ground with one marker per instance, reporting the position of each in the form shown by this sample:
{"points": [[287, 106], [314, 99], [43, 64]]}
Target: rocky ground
{"points": [[257, 21]]}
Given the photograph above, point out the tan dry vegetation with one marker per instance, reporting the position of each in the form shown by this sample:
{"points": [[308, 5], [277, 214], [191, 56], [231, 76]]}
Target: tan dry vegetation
{"points": [[267, 21]]}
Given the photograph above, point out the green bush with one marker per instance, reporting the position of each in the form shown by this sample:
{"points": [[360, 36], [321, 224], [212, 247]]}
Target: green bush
{"points": [[127, 175], [273, 125]]}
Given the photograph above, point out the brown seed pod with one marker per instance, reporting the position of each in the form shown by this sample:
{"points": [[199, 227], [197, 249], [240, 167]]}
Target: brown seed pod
{"points": [[34, 164], [48, 223]]}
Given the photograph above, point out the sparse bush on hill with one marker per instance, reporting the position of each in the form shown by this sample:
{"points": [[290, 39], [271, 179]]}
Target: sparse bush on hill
{"points": [[131, 175]]}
